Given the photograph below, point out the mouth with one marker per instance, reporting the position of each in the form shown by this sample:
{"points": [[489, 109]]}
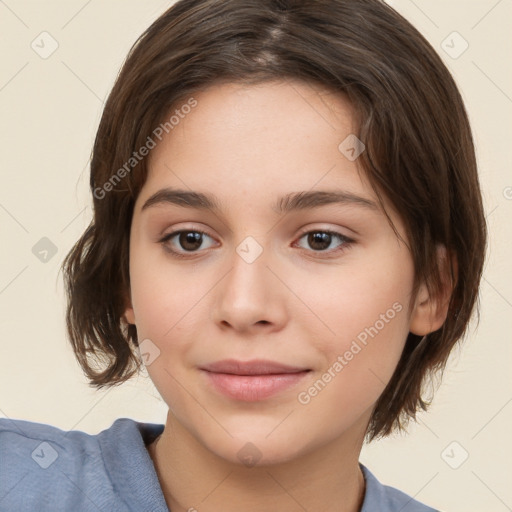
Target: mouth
{"points": [[254, 380], [253, 367]]}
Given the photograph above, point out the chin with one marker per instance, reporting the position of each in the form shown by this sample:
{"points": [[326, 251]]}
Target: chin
{"points": [[253, 449]]}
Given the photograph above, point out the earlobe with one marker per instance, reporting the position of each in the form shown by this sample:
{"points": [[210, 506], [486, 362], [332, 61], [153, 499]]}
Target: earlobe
{"points": [[427, 316], [429, 312], [129, 315]]}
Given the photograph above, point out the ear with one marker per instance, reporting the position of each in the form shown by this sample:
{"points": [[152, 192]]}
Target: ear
{"points": [[429, 312], [129, 314]]}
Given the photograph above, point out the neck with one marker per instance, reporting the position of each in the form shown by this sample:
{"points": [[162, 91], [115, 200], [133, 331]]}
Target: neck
{"points": [[192, 478]]}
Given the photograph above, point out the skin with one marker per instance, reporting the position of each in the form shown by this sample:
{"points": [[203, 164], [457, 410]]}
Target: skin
{"points": [[296, 304]]}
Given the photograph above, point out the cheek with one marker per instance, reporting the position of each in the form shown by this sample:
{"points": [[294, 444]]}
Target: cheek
{"points": [[357, 363], [168, 308], [365, 314], [165, 300], [375, 320]]}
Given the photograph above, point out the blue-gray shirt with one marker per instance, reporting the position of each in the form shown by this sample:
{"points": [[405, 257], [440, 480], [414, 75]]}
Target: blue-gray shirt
{"points": [[43, 468]]}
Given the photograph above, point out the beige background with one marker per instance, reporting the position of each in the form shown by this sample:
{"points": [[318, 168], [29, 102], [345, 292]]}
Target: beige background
{"points": [[50, 109]]}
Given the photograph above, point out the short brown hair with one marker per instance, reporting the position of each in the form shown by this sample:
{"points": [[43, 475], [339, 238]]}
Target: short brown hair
{"points": [[410, 116]]}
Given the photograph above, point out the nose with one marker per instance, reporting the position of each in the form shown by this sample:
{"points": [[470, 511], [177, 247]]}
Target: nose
{"points": [[251, 297]]}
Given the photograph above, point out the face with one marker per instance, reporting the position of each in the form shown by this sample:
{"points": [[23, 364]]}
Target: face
{"points": [[249, 272]]}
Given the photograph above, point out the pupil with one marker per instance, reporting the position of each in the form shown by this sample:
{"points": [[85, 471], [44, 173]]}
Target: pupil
{"points": [[319, 241], [192, 238]]}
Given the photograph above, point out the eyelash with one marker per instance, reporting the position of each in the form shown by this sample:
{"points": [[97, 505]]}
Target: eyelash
{"points": [[346, 242]]}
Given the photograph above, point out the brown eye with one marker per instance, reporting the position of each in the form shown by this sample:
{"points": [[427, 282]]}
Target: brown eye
{"points": [[190, 240], [321, 240], [183, 241]]}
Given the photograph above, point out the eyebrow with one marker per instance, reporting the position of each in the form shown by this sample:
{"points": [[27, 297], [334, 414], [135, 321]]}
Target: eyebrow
{"points": [[294, 201]]}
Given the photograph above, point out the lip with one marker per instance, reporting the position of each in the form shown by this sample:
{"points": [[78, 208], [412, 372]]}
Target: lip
{"points": [[252, 381], [253, 367]]}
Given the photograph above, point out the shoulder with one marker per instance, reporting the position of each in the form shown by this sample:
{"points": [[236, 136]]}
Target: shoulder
{"points": [[31, 444], [39, 462], [388, 499]]}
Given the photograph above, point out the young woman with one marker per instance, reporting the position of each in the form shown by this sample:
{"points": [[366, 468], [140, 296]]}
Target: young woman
{"points": [[288, 232]]}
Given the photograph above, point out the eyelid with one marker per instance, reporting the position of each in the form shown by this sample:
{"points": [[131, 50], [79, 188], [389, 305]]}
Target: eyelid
{"points": [[301, 233], [180, 228], [324, 229], [168, 236]]}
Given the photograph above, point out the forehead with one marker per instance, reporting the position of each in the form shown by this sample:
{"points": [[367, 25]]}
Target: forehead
{"points": [[260, 119], [242, 136]]}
